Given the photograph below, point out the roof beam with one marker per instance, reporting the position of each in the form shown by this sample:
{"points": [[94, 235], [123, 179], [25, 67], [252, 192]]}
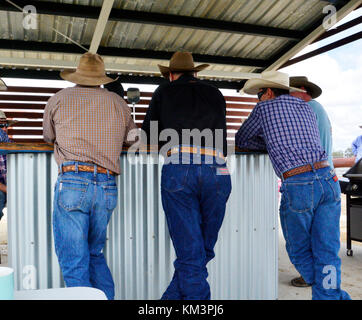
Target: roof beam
{"points": [[331, 46], [317, 32], [36, 46], [54, 75], [133, 16], [116, 68], [101, 25]]}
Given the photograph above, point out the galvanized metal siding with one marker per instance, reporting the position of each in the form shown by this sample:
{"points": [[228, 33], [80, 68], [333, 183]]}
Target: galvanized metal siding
{"points": [[138, 250]]}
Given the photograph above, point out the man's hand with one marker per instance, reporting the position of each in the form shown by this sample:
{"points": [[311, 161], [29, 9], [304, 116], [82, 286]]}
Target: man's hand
{"points": [[3, 187]]}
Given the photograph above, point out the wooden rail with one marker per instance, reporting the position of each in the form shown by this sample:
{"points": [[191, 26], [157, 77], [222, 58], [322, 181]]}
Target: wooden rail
{"points": [[26, 104]]}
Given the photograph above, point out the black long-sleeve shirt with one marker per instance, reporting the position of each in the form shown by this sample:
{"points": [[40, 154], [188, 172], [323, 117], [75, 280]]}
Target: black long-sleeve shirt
{"points": [[188, 103]]}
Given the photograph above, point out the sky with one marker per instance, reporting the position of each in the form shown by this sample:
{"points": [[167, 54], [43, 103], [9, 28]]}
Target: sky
{"points": [[338, 72]]}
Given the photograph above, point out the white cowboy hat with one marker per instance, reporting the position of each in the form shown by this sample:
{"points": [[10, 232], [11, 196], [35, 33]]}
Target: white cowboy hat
{"points": [[269, 79], [3, 86], [181, 62], [90, 71]]}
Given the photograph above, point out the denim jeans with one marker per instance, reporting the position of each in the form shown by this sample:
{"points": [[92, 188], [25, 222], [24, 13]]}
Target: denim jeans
{"points": [[309, 213], [2, 203], [194, 198], [83, 205]]}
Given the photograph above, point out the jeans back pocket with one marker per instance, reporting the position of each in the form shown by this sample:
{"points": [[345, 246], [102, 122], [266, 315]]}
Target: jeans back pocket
{"points": [[299, 196], [111, 196], [174, 177], [72, 194]]}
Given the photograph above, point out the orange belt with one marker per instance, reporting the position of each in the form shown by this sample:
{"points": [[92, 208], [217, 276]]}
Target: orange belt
{"points": [[195, 150], [306, 168], [82, 167]]}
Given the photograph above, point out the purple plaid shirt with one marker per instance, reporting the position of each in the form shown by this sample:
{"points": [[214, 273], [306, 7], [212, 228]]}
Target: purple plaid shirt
{"points": [[3, 138], [286, 127]]}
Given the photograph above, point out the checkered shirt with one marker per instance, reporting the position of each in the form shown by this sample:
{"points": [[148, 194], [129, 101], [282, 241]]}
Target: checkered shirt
{"points": [[3, 138], [88, 124], [286, 127]]}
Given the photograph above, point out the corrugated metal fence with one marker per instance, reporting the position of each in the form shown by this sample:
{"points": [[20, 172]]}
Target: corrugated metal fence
{"points": [[138, 250]]}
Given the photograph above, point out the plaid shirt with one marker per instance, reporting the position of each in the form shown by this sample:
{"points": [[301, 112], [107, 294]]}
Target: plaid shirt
{"points": [[88, 124], [286, 127], [3, 138]]}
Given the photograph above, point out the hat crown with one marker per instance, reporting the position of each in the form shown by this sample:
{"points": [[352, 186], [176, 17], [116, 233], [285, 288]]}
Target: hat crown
{"points": [[277, 77], [2, 115], [90, 63], [181, 60]]}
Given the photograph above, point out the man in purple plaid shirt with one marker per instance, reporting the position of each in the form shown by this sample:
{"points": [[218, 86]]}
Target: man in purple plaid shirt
{"points": [[310, 207], [4, 124]]}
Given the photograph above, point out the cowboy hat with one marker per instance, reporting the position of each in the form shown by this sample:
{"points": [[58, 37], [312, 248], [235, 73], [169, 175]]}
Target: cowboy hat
{"points": [[90, 71], [269, 79], [181, 62], [3, 118], [3, 86], [311, 87]]}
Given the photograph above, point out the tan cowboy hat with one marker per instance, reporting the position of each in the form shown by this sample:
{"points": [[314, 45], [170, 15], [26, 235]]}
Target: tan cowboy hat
{"points": [[90, 71], [269, 79], [3, 86], [311, 87], [3, 117], [181, 62]]}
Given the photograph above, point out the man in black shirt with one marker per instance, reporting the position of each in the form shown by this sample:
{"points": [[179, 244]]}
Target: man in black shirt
{"points": [[195, 184]]}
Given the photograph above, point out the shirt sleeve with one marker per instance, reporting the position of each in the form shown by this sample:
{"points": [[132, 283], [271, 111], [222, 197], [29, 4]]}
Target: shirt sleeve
{"points": [[250, 134], [48, 124], [151, 115], [132, 132]]}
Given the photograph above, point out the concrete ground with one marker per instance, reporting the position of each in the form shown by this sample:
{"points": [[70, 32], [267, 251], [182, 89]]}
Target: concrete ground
{"points": [[351, 266]]}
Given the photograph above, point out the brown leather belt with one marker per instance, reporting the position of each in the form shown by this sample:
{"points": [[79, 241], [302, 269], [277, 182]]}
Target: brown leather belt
{"points": [[82, 167], [195, 150], [306, 168]]}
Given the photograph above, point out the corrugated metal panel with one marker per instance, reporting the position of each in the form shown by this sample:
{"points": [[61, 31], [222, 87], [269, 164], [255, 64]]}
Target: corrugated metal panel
{"points": [[138, 250], [293, 15]]}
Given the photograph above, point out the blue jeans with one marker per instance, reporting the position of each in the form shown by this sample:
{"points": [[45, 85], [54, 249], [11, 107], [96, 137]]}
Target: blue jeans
{"points": [[2, 203], [309, 213], [194, 198], [83, 205]]}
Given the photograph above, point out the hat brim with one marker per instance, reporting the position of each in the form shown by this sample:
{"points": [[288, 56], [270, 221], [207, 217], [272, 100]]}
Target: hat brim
{"points": [[3, 86], [252, 86], [165, 71], [314, 90], [73, 76]]}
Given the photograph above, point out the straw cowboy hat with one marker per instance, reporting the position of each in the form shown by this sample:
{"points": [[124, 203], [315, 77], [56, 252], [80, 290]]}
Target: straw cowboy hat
{"points": [[3, 86], [3, 118], [269, 79], [181, 62], [90, 71], [311, 87]]}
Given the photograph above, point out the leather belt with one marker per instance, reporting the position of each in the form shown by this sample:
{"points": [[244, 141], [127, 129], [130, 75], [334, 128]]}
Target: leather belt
{"points": [[85, 168], [195, 150], [306, 168]]}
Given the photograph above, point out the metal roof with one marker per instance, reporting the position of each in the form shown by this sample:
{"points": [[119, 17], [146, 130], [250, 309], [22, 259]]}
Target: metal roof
{"points": [[239, 38]]}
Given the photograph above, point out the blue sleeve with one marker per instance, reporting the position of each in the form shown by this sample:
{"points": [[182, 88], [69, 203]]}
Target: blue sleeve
{"points": [[250, 135], [4, 137]]}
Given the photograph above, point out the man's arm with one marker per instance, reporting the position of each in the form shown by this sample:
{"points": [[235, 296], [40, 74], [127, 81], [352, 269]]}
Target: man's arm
{"points": [[249, 135], [151, 115], [48, 124]]}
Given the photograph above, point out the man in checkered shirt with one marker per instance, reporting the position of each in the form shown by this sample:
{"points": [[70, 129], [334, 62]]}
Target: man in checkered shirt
{"points": [[88, 125], [310, 207]]}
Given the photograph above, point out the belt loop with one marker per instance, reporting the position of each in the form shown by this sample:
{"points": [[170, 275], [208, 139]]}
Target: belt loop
{"points": [[76, 167], [108, 174], [61, 168], [312, 165], [95, 170]]}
